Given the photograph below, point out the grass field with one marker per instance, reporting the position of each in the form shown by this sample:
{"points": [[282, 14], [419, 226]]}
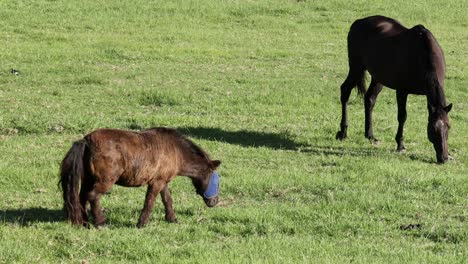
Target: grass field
{"points": [[256, 84]]}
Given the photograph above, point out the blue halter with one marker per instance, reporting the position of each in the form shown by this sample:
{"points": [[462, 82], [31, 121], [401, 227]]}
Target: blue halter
{"points": [[213, 187]]}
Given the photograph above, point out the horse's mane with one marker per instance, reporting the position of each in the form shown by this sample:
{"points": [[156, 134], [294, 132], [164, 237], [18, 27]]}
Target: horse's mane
{"points": [[195, 148], [436, 96], [436, 90], [184, 141]]}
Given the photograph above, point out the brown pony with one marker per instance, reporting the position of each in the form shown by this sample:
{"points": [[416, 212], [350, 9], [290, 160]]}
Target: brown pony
{"points": [[152, 157], [407, 60]]}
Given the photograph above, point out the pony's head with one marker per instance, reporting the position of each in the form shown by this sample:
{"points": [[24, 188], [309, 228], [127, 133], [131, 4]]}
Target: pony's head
{"points": [[198, 166], [207, 183], [437, 130]]}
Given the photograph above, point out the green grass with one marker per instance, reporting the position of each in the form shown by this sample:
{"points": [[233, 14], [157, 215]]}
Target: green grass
{"points": [[256, 84]]}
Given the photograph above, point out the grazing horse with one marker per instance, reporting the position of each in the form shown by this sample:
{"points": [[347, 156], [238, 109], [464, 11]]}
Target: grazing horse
{"points": [[407, 60], [151, 157]]}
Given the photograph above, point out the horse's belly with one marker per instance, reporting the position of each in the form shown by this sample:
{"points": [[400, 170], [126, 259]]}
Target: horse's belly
{"points": [[135, 178], [401, 81], [390, 80], [131, 182], [394, 68]]}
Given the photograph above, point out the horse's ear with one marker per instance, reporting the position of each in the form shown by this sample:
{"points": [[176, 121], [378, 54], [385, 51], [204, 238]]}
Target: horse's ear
{"points": [[448, 108], [215, 163]]}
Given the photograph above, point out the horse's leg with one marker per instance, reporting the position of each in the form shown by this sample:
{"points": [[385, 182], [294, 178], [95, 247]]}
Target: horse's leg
{"points": [[167, 201], [86, 187], [99, 218], [94, 197], [369, 101], [351, 80], [151, 193], [401, 99]]}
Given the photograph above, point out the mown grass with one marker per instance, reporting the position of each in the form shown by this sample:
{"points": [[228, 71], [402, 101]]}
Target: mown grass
{"points": [[256, 83]]}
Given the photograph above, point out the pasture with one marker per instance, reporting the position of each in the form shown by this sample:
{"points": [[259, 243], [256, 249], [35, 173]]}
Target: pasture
{"points": [[254, 83]]}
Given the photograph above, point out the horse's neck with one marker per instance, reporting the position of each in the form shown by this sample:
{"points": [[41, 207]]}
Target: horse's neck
{"points": [[192, 165], [436, 94]]}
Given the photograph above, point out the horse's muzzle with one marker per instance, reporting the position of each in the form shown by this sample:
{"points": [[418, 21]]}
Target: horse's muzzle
{"points": [[212, 201]]}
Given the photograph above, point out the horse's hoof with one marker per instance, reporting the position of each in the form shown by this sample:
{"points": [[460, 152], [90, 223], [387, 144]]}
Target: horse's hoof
{"points": [[100, 224], [172, 221], [100, 227], [140, 225], [340, 135], [374, 141], [451, 157], [171, 218], [400, 147]]}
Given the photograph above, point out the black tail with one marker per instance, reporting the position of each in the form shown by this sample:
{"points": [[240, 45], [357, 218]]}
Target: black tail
{"points": [[72, 170], [361, 83], [357, 71]]}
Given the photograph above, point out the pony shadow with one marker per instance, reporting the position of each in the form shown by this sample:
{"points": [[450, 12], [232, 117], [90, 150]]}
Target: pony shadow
{"points": [[244, 138], [28, 216]]}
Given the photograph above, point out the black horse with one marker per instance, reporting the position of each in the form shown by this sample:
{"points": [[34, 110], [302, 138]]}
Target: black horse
{"points": [[407, 60]]}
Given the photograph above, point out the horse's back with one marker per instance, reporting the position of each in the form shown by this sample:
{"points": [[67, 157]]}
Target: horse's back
{"points": [[376, 26], [394, 55], [132, 158]]}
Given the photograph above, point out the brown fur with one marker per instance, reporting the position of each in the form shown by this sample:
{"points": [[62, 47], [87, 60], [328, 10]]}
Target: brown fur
{"points": [[152, 157], [409, 61]]}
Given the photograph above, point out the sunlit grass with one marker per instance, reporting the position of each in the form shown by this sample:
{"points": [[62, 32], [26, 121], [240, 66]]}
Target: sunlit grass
{"points": [[256, 84]]}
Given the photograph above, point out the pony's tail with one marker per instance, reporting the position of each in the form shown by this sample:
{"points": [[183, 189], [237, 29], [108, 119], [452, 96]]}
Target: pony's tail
{"points": [[72, 170]]}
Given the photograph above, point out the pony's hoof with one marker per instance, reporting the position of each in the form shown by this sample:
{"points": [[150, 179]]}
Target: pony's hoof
{"points": [[100, 224], [172, 221], [340, 135], [171, 218], [451, 157], [374, 141]]}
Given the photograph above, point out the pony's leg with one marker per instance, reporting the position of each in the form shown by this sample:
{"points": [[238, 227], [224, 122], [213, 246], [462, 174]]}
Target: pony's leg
{"points": [[346, 88], [151, 193], [85, 189], [167, 201], [94, 197], [369, 101], [401, 99], [96, 210]]}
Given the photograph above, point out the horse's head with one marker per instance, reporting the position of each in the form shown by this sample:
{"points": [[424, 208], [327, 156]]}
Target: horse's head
{"points": [[437, 130], [207, 183]]}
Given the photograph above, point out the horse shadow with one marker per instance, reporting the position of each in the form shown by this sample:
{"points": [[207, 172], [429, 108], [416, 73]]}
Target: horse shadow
{"points": [[27, 216], [244, 138], [285, 141], [281, 141]]}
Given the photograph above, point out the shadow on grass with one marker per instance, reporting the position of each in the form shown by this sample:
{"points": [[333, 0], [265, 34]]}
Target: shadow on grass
{"points": [[28, 216], [284, 141], [244, 138], [125, 217], [365, 151]]}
